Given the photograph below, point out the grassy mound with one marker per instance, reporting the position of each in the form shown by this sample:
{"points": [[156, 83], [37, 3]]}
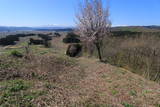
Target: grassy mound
{"points": [[50, 78]]}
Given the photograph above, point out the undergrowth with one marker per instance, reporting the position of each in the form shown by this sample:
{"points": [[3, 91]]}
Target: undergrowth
{"points": [[17, 93]]}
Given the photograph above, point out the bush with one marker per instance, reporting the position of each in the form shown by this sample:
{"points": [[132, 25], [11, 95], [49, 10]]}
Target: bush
{"points": [[36, 41], [16, 53], [74, 50], [11, 39], [71, 38], [57, 34], [45, 37], [47, 44]]}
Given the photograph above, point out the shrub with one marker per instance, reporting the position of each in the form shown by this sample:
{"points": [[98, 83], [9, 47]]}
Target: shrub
{"points": [[16, 53], [74, 50], [57, 34], [47, 44], [71, 38], [36, 41], [45, 37], [11, 39]]}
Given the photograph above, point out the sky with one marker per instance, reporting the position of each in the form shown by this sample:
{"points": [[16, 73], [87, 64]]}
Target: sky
{"points": [[62, 12]]}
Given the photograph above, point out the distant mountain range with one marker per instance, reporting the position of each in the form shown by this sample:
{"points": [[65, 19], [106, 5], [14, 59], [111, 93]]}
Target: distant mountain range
{"points": [[52, 28], [13, 28], [152, 28]]}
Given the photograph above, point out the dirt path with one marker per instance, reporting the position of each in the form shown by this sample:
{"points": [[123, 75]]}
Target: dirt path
{"points": [[112, 86], [117, 87]]}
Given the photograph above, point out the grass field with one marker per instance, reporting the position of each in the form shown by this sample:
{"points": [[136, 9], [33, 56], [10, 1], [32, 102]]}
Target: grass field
{"points": [[47, 77]]}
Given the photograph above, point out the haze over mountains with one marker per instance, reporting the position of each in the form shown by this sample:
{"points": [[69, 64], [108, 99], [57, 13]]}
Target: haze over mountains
{"points": [[48, 28], [69, 28]]}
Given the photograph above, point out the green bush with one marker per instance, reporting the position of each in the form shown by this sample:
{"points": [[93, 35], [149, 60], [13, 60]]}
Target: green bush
{"points": [[71, 38], [16, 53]]}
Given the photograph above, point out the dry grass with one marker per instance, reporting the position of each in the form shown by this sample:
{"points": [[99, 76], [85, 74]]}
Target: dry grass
{"points": [[55, 80], [141, 54], [105, 85], [56, 75]]}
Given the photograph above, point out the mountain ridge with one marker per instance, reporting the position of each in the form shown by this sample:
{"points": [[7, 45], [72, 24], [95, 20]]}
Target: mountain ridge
{"points": [[70, 28], [15, 28]]}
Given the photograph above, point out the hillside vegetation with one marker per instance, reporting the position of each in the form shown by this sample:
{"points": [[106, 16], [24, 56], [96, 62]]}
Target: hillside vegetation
{"points": [[47, 77], [138, 53], [133, 49], [137, 28]]}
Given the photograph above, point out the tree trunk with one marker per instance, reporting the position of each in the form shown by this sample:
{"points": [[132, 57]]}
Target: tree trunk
{"points": [[99, 51]]}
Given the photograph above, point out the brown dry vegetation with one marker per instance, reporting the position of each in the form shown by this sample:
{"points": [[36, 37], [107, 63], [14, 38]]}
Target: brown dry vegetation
{"points": [[55, 80], [139, 54]]}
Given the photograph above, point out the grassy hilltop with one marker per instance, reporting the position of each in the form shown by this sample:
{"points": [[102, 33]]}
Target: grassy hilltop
{"points": [[47, 77]]}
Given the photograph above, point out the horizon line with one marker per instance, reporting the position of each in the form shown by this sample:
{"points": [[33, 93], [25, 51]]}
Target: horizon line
{"points": [[70, 26]]}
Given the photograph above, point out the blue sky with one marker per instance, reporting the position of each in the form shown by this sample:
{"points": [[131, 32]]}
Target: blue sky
{"points": [[62, 12]]}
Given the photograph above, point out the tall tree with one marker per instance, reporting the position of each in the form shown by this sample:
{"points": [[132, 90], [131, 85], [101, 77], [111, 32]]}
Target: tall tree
{"points": [[93, 23]]}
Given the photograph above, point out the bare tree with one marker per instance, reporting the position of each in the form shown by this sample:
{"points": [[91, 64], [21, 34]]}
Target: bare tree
{"points": [[93, 22]]}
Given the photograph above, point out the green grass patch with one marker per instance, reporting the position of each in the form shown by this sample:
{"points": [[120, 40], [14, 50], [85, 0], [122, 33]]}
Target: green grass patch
{"points": [[11, 51], [16, 53], [17, 93], [7, 62], [114, 92], [133, 93], [158, 105], [127, 105]]}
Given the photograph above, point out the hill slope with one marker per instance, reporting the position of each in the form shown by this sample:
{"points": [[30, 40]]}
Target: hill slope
{"points": [[106, 84], [52, 79]]}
